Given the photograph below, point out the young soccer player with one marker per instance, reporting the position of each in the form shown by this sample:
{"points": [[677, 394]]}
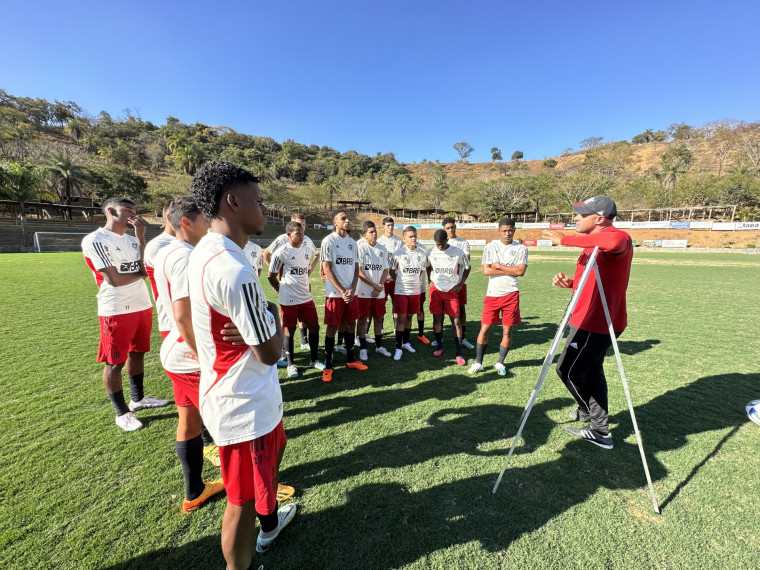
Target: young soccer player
{"points": [[408, 263], [240, 397], [450, 226], [370, 290], [124, 307], [151, 249], [294, 261], [503, 262], [391, 243], [448, 269]]}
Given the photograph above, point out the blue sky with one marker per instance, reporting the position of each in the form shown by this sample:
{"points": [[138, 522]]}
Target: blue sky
{"points": [[410, 78]]}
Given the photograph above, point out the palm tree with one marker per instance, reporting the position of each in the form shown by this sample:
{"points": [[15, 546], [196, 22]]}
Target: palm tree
{"points": [[21, 183], [67, 172], [187, 159], [333, 185]]}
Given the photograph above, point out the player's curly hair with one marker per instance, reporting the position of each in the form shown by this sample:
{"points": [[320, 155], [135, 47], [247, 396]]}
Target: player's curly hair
{"points": [[212, 180]]}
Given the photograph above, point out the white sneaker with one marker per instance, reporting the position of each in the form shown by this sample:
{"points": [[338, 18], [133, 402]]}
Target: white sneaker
{"points": [[146, 402], [370, 340], [397, 354], [363, 354], [317, 364], [500, 369], [305, 346], [128, 422], [382, 350], [434, 343], [340, 349], [408, 347], [475, 368], [292, 371], [285, 514], [466, 343]]}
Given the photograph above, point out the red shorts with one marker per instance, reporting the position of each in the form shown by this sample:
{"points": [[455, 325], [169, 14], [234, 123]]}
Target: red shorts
{"points": [[462, 296], [446, 303], [337, 311], [186, 387], [371, 307], [304, 312], [406, 304], [508, 306], [249, 470], [390, 289], [122, 334]]}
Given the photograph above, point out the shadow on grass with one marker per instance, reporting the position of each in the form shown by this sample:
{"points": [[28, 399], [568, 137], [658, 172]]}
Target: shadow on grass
{"points": [[388, 525]]}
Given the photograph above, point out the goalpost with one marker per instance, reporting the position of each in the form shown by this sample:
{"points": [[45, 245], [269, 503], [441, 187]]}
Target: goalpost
{"points": [[47, 242]]}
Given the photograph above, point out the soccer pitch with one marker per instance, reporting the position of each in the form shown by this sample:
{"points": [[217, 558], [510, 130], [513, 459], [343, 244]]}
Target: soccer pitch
{"points": [[393, 467]]}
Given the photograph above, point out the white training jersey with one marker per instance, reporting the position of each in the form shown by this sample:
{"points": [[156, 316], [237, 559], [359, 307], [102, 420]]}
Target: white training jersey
{"points": [[391, 244], [423, 273], [512, 254], [283, 239], [151, 250], [342, 253], [104, 248], [295, 287], [448, 266], [373, 261], [462, 244], [253, 254], [240, 397], [409, 264], [172, 284]]}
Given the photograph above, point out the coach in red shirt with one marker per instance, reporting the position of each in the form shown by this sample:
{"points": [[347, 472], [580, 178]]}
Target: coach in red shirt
{"points": [[580, 366]]}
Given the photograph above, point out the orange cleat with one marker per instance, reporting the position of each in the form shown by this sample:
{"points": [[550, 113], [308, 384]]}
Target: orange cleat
{"points": [[284, 492], [327, 375], [358, 365], [211, 489], [423, 339]]}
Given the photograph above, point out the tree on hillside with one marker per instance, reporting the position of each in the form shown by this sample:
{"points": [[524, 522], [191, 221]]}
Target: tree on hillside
{"points": [[567, 152], [495, 154], [578, 186], [464, 150], [675, 162], [67, 173], [591, 142], [333, 185], [517, 156], [608, 159], [504, 195], [722, 139], [549, 163], [21, 183], [187, 158], [749, 144]]}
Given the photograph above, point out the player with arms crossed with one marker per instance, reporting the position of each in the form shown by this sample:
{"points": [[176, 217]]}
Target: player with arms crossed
{"points": [[408, 263], [294, 261], [340, 264], [450, 226], [370, 291], [503, 262], [581, 364], [185, 373], [448, 269], [240, 397], [124, 307]]}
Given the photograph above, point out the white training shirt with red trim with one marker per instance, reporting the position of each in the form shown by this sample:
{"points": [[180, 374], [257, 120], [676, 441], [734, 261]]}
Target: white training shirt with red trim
{"points": [[240, 397], [283, 239], [409, 265], [512, 254], [172, 284], [253, 254], [448, 266], [462, 244], [373, 261], [104, 248], [293, 265], [391, 245], [151, 250], [342, 252]]}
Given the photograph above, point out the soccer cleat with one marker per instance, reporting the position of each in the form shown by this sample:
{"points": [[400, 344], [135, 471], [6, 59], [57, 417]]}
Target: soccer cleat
{"points": [[434, 343], [282, 363], [501, 370], [408, 347], [382, 350], [211, 453], [423, 339], [128, 422], [590, 434], [466, 343], [305, 346], [340, 349], [285, 514], [292, 371], [284, 492], [370, 340], [327, 375], [461, 361], [146, 402], [578, 416], [357, 365], [210, 489], [475, 368], [363, 354], [317, 364], [438, 352], [397, 354]]}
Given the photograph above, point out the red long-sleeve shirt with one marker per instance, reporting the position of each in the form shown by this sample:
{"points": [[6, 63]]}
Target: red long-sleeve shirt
{"points": [[614, 265]]}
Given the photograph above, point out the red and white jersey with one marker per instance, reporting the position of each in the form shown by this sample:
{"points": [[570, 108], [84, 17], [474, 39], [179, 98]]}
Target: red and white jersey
{"points": [[448, 266], [240, 397], [151, 250], [283, 239], [391, 245], [409, 265], [462, 244], [253, 254], [172, 284], [512, 254], [373, 261], [342, 252], [294, 279], [104, 248]]}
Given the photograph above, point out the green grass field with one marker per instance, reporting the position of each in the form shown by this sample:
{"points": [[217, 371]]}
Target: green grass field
{"points": [[394, 467]]}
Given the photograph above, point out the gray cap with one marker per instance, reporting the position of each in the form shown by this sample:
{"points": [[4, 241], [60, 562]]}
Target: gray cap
{"points": [[601, 205]]}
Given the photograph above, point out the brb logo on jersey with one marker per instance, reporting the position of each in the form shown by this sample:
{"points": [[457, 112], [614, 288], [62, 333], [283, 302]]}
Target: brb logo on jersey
{"points": [[344, 261], [129, 267], [299, 270], [414, 270], [372, 267], [444, 270]]}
